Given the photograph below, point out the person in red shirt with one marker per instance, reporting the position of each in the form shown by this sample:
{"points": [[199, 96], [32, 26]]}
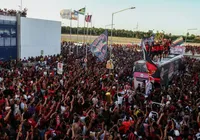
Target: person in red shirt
{"points": [[160, 50], [147, 47], [153, 51]]}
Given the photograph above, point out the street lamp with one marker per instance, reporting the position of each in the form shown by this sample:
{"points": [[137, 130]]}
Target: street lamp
{"points": [[112, 25], [187, 33]]}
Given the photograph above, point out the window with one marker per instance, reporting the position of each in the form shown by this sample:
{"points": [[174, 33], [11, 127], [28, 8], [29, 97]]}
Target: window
{"points": [[7, 22], [8, 36], [1, 21], [140, 67], [13, 32], [13, 41], [6, 32], [1, 32], [1, 37], [13, 22], [7, 41], [1, 41]]}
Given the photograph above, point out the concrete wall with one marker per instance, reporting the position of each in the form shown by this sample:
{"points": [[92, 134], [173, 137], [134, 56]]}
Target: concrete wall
{"points": [[39, 35]]}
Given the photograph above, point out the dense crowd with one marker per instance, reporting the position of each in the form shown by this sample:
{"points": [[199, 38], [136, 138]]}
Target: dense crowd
{"points": [[192, 49], [94, 103], [12, 12]]}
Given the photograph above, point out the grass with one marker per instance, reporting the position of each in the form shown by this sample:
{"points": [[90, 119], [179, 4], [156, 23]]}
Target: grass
{"points": [[116, 40], [119, 40]]}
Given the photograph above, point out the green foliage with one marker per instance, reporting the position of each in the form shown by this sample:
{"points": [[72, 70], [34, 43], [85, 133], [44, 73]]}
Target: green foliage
{"points": [[126, 33]]}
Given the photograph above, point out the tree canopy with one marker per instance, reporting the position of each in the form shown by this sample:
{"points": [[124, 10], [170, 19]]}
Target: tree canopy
{"points": [[126, 33]]}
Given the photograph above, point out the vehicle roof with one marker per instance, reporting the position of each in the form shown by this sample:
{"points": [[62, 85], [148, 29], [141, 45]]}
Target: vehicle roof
{"points": [[164, 60]]}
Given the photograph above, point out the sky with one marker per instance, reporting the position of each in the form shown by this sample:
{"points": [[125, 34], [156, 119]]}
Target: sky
{"points": [[172, 16]]}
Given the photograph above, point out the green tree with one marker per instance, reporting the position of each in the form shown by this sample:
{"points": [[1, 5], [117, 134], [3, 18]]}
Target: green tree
{"points": [[125, 33]]}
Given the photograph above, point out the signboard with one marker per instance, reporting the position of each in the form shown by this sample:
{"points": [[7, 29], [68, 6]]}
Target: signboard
{"points": [[109, 65], [177, 50], [60, 68]]}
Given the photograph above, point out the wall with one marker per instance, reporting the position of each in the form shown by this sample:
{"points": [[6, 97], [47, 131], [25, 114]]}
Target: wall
{"points": [[38, 35]]}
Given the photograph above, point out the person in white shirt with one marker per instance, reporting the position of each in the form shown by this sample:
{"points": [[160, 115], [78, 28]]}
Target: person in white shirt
{"points": [[119, 99]]}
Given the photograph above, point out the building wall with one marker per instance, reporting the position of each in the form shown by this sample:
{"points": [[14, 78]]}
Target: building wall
{"points": [[39, 36], [8, 37]]}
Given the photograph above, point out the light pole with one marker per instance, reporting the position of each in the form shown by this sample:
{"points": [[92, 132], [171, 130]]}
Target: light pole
{"points": [[108, 25], [21, 5], [112, 26], [187, 33]]}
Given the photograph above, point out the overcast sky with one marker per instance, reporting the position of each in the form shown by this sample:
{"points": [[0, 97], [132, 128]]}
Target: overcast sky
{"points": [[172, 16]]}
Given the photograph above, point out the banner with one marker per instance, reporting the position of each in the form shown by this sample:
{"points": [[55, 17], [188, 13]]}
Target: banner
{"points": [[177, 42], [88, 18], [109, 65], [65, 14], [99, 46], [177, 50], [148, 87], [149, 40], [82, 11], [60, 68], [151, 66], [74, 15]]}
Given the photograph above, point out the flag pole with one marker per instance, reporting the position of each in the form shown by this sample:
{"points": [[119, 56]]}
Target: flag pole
{"points": [[77, 34], [84, 27], [91, 31], [71, 27], [86, 42]]}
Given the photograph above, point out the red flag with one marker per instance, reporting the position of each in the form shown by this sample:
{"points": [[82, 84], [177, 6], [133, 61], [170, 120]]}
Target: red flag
{"points": [[151, 68], [88, 18]]}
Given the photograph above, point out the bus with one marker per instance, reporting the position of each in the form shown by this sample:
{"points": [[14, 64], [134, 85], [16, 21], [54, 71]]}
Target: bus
{"points": [[166, 69]]}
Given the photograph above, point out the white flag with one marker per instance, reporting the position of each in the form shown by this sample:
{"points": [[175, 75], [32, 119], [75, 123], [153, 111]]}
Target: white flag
{"points": [[60, 68], [65, 14]]}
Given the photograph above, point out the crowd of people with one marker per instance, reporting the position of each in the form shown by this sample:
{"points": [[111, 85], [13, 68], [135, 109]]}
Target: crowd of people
{"points": [[158, 49], [192, 49], [12, 12], [38, 104]]}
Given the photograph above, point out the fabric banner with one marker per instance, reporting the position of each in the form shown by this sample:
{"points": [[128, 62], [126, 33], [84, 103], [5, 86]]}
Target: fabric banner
{"points": [[148, 87], [109, 65], [177, 50], [60, 68], [149, 40], [65, 14], [177, 42], [151, 67], [99, 46], [74, 15], [82, 11], [88, 18]]}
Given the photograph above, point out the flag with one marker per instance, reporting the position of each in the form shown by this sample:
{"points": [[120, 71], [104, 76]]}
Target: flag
{"points": [[82, 11], [74, 15], [151, 67], [150, 40], [88, 18], [65, 14], [99, 46], [59, 68], [177, 42]]}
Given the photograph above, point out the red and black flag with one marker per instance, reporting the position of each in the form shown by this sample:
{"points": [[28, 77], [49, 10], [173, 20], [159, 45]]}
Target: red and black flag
{"points": [[88, 18], [151, 67]]}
